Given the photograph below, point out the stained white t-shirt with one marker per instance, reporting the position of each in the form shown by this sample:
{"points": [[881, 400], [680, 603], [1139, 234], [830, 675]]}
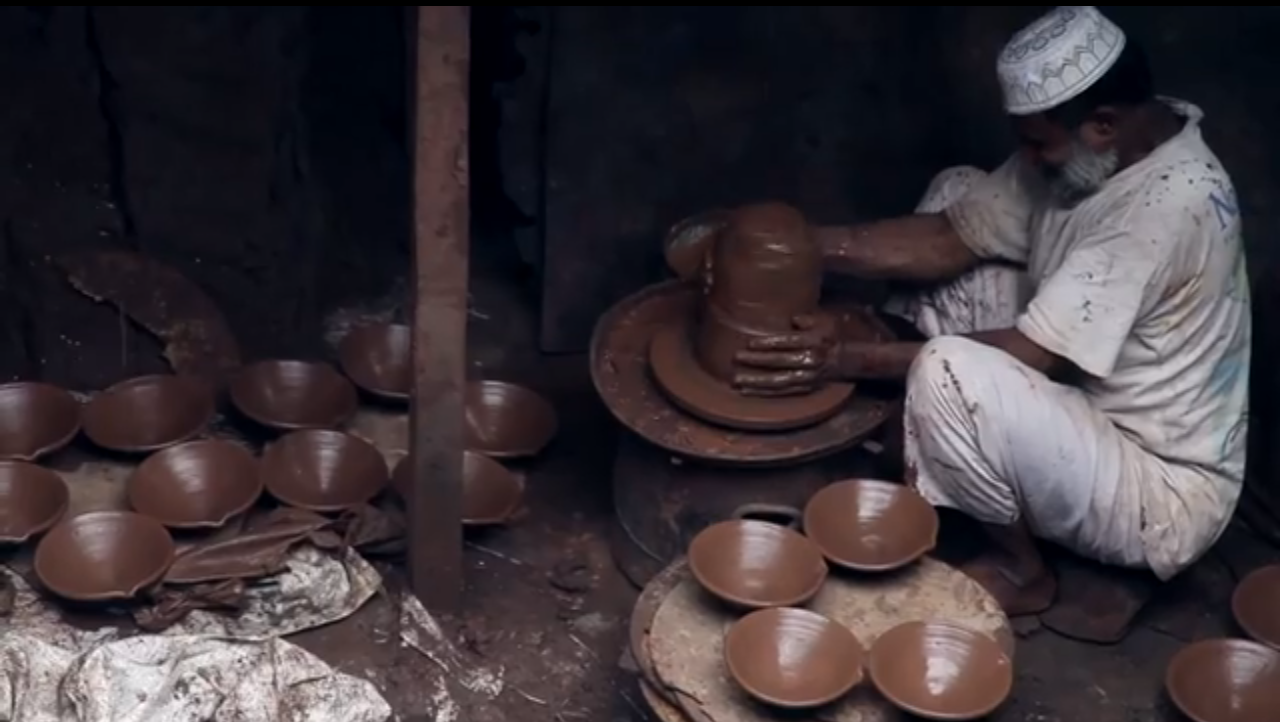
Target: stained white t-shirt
{"points": [[1142, 285]]}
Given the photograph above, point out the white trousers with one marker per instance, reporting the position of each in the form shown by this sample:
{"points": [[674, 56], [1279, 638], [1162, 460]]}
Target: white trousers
{"points": [[999, 441]]}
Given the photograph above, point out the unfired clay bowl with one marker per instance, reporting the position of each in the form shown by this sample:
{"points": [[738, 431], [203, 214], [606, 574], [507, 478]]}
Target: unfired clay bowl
{"points": [[103, 556], [756, 564], [378, 359], [1225, 680], [199, 484], [507, 421], [870, 526], [36, 419], [323, 470], [1256, 605], [289, 395], [491, 493], [941, 671], [32, 499], [149, 412], [793, 658]]}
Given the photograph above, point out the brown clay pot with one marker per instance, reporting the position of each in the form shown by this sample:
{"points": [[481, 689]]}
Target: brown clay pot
{"points": [[869, 525], [323, 470], [199, 484], [941, 671], [289, 395], [1256, 605], [756, 564], [1225, 680], [36, 419], [103, 555], [491, 493], [149, 412], [32, 499], [378, 359], [507, 421], [793, 658]]}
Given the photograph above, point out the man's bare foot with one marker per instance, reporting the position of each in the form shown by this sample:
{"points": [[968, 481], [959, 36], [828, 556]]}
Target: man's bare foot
{"points": [[1017, 598]]}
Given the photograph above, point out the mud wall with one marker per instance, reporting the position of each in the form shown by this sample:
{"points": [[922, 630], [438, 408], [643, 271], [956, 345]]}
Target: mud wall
{"points": [[257, 150]]}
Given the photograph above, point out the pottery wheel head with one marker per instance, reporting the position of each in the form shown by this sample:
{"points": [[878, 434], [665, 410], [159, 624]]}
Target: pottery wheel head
{"points": [[765, 267]]}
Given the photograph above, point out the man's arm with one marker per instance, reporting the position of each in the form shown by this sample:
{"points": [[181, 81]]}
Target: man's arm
{"points": [[922, 248], [892, 360]]}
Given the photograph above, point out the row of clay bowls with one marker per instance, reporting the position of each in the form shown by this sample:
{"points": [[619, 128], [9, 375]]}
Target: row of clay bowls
{"points": [[795, 658], [202, 484], [1235, 680]]}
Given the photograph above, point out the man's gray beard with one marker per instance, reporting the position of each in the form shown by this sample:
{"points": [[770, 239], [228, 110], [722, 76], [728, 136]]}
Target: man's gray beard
{"points": [[1083, 174]]}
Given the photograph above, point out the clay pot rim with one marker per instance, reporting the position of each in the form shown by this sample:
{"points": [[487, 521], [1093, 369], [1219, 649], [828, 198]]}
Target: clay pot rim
{"points": [[235, 390], [794, 601], [516, 480], [525, 392], [209, 411], [1003, 660], [62, 441], [1262, 577], [346, 351], [927, 543], [64, 501], [285, 497], [1186, 655], [156, 458], [857, 674], [113, 595]]}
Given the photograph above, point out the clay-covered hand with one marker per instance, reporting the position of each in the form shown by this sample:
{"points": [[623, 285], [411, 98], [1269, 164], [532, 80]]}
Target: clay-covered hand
{"points": [[687, 242], [790, 364]]}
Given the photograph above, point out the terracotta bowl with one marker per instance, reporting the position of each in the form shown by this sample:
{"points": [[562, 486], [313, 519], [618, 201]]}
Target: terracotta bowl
{"points": [[491, 494], [378, 359], [32, 499], [291, 395], [507, 421], [149, 412], [36, 419], [793, 658], [199, 484], [1256, 605], [103, 555], [1225, 680], [756, 564], [941, 671], [870, 526], [323, 470]]}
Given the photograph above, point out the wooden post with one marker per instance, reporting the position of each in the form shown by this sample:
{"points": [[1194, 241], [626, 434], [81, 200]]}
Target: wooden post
{"points": [[440, 244]]}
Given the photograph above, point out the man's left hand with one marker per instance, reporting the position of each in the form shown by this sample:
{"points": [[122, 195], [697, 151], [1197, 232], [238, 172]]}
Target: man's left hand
{"points": [[788, 364]]}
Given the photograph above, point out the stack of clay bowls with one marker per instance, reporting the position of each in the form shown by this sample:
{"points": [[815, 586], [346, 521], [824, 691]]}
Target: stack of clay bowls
{"points": [[1234, 680], [789, 657], [502, 421]]}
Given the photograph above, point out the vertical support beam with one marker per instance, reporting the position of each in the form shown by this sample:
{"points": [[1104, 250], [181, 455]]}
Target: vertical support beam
{"points": [[440, 244]]}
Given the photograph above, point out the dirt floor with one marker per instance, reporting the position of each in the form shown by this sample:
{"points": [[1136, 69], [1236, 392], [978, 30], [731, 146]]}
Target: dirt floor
{"points": [[546, 605]]}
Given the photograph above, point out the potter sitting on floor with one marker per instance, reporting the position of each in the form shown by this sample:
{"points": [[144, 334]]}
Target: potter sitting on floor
{"points": [[1088, 310]]}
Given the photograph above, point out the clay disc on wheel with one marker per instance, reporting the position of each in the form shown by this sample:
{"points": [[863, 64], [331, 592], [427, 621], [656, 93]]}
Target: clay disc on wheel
{"points": [[680, 376]]}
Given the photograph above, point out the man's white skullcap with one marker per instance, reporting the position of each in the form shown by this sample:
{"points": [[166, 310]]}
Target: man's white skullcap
{"points": [[1056, 58]]}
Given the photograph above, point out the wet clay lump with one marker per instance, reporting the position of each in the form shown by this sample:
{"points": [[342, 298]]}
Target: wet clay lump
{"points": [[763, 270]]}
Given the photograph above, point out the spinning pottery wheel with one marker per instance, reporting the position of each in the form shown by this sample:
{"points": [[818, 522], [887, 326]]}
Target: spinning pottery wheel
{"points": [[621, 374], [676, 639]]}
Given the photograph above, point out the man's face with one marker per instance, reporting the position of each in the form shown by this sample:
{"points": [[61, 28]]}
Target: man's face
{"points": [[1074, 164]]}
